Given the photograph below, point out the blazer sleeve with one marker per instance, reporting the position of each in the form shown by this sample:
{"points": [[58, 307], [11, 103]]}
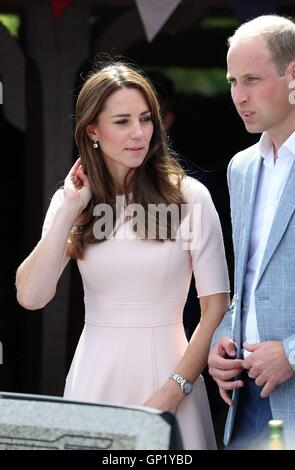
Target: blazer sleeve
{"points": [[226, 326]]}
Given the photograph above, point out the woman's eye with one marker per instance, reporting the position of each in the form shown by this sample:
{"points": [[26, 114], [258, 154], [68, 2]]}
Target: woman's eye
{"points": [[123, 121], [147, 119]]}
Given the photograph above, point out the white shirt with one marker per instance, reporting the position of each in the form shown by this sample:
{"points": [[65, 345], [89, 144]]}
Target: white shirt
{"points": [[272, 180]]}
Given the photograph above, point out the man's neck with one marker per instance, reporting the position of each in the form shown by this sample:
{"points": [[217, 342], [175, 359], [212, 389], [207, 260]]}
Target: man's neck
{"points": [[278, 139]]}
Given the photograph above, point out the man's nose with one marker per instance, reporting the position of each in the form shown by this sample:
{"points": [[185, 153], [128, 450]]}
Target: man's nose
{"points": [[239, 94]]}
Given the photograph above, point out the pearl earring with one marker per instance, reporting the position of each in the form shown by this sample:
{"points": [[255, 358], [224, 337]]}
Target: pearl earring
{"points": [[95, 144]]}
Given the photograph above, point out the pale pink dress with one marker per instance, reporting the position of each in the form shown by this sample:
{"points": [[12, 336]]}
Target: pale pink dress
{"points": [[135, 292]]}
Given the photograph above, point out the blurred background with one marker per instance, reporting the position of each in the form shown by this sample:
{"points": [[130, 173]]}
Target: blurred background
{"points": [[46, 48]]}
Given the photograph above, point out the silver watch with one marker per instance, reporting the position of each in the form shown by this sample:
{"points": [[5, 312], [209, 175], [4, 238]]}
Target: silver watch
{"points": [[185, 385]]}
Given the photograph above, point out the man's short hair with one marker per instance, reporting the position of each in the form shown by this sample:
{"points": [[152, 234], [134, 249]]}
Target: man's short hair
{"points": [[279, 33]]}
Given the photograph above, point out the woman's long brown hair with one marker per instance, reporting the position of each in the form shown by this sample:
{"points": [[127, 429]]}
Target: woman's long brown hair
{"points": [[156, 181]]}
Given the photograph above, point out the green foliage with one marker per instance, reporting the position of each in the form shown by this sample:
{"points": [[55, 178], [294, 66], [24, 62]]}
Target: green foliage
{"points": [[208, 82], [11, 23], [219, 22]]}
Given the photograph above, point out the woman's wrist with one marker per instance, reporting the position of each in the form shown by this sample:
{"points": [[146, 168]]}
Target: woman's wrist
{"points": [[69, 211], [173, 390]]}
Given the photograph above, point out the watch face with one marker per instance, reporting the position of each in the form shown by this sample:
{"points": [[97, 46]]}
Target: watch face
{"points": [[187, 387]]}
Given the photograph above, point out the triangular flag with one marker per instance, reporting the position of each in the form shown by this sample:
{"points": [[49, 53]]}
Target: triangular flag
{"points": [[59, 6], [154, 14]]}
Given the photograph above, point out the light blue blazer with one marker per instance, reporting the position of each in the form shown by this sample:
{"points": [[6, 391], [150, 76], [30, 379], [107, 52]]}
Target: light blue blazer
{"points": [[275, 291]]}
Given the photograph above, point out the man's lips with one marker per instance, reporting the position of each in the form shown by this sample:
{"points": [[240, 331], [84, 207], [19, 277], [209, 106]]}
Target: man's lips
{"points": [[247, 114]]}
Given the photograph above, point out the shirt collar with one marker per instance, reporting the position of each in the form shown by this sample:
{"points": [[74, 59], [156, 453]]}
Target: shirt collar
{"points": [[289, 145], [266, 148]]}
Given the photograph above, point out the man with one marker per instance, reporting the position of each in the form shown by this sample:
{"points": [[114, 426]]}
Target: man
{"points": [[253, 352]]}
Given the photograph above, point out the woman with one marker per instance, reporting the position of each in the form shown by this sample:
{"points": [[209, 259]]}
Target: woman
{"points": [[133, 349]]}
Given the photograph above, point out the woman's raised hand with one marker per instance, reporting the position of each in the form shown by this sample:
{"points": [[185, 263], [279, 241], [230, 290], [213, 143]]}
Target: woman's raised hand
{"points": [[77, 187]]}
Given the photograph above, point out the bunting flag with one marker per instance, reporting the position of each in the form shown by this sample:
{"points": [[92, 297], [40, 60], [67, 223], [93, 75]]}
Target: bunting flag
{"points": [[154, 14], [245, 11], [58, 6]]}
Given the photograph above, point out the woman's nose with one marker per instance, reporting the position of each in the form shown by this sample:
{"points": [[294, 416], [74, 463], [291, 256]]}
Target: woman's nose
{"points": [[136, 131]]}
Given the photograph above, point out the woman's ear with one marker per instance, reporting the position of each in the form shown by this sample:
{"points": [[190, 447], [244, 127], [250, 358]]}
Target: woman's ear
{"points": [[92, 132]]}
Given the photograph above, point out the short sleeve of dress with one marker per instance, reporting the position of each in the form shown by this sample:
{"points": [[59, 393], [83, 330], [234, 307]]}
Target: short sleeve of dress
{"points": [[206, 243], [54, 205]]}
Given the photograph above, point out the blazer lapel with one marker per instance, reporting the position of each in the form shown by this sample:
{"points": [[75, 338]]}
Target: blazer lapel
{"points": [[284, 212]]}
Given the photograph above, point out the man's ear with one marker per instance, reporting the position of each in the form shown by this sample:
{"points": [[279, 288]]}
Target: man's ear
{"points": [[291, 68], [291, 84], [92, 132]]}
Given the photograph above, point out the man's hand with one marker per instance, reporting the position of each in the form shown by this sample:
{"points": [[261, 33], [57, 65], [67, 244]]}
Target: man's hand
{"points": [[223, 369], [268, 365]]}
